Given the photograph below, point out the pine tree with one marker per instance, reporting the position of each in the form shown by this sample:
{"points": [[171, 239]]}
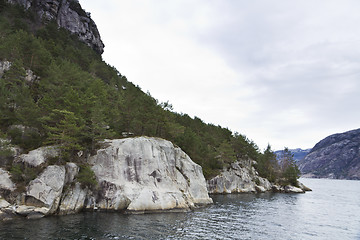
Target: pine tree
{"points": [[289, 169], [64, 131]]}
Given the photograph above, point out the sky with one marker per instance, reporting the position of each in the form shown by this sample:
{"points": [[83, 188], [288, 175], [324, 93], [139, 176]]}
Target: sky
{"points": [[284, 73]]}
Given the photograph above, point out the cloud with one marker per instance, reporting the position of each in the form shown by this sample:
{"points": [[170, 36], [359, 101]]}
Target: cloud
{"points": [[281, 72]]}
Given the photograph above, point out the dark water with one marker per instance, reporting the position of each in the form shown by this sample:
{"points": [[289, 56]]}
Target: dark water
{"points": [[331, 211]]}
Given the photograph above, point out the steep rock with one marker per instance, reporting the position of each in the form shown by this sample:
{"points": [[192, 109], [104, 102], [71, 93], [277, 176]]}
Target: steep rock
{"points": [[241, 177], [71, 171], [147, 174], [5, 182], [336, 156], [69, 15], [46, 190], [72, 200]]}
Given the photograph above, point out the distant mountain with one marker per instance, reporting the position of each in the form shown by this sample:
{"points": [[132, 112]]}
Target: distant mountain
{"points": [[299, 153], [336, 156]]}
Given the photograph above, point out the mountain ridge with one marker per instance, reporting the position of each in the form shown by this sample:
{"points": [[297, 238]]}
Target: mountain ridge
{"points": [[336, 156], [299, 153]]}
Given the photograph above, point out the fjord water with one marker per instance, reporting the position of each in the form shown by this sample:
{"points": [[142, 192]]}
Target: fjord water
{"points": [[331, 211]]}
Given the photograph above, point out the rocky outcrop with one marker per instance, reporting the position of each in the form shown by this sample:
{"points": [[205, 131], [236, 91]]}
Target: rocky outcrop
{"points": [[38, 156], [241, 177], [29, 78], [147, 174], [5, 182], [73, 200], [134, 175], [4, 66], [337, 156], [46, 190], [69, 15]]}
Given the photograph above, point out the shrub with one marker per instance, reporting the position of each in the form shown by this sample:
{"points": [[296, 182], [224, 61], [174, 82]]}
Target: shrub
{"points": [[86, 177]]}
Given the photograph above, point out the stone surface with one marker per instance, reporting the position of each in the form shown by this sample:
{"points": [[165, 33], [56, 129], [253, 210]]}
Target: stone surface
{"points": [[336, 156], [292, 189], [5, 181], [69, 15], [30, 77], [38, 156], [241, 177], [46, 190], [73, 200], [71, 171], [4, 203], [4, 66], [147, 174], [303, 187]]}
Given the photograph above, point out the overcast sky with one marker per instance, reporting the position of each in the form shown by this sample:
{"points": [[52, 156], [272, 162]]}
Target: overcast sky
{"points": [[281, 72]]}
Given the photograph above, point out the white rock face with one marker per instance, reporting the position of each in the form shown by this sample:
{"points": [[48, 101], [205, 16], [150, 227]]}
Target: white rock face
{"points": [[45, 190], [73, 200], [38, 156], [71, 171], [4, 66], [5, 181], [4, 203], [238, 179], [147, 174]]}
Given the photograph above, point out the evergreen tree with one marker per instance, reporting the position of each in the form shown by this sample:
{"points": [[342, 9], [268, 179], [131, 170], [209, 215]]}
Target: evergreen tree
{"points": [[289, 169], [64, 130], [267, 165]]}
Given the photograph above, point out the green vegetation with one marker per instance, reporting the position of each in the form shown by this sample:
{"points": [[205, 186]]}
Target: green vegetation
{"points": [[78, 100], [289, 169], [86, 177]]}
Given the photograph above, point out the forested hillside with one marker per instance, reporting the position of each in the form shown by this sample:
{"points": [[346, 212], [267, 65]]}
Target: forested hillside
{"points": [[73, 99]]}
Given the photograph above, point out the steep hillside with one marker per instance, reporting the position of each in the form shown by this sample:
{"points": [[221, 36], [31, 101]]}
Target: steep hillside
{"points": [[336, 156], [54, 89]]}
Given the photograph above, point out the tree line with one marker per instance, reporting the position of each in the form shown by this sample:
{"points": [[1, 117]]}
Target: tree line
{"points": [[77, 100]]}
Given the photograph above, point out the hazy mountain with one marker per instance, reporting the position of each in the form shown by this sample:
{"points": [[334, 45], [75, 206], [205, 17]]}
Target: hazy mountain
{"points": [[299, 153], [336, 156]]}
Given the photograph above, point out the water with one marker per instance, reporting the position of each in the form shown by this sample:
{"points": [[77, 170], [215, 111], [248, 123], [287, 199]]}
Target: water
{"points": [[331, 211]]}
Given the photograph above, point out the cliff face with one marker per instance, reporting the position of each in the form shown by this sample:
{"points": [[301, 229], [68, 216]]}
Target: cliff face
{"points": [[336, 156], [241, 177], [69, 15], [133, 175], [146, 174]]}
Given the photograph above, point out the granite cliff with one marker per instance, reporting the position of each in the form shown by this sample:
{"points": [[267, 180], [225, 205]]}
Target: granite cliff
{"points": [[241, 177], [67, 14], [337, 156], [133, 175]]}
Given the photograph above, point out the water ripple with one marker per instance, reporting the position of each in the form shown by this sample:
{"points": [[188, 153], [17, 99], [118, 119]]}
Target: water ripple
{"points": [[326, 213]]}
